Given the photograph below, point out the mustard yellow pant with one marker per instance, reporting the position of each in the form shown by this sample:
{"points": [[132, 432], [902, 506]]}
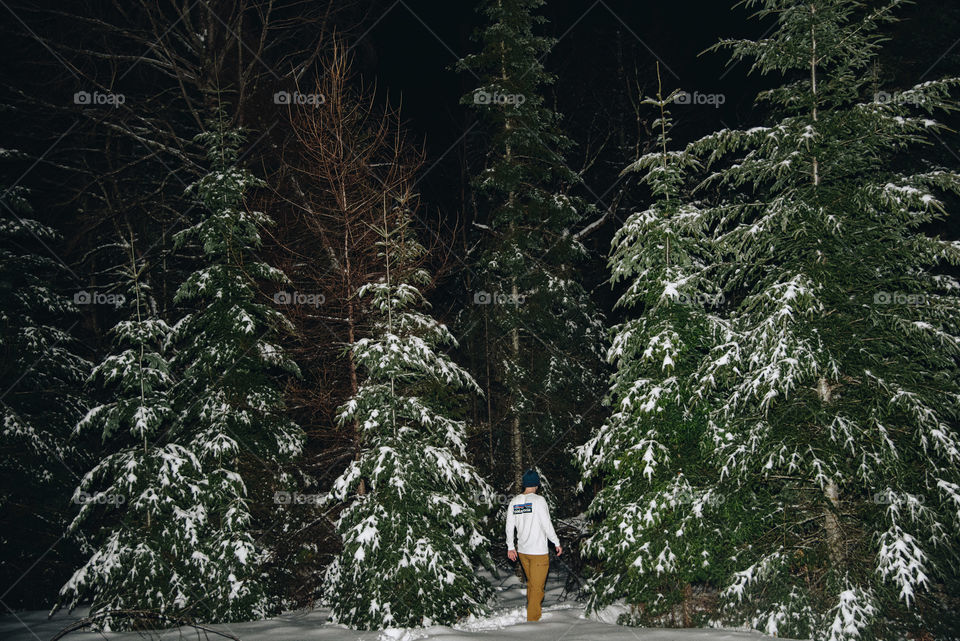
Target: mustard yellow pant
{"points": [[535, 567]]}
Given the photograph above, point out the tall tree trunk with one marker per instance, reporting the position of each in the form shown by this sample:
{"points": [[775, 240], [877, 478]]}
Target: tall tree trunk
{"points": [[351, 339], [515, 420], [516, 442], [830, 522], [486, 359]]}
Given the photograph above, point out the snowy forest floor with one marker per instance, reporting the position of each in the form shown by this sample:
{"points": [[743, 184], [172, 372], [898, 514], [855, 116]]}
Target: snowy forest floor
{"points": [[563, 619]]}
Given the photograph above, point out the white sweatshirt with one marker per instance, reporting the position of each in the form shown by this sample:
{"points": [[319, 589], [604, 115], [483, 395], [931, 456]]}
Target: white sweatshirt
{"points": [[529, 515]]}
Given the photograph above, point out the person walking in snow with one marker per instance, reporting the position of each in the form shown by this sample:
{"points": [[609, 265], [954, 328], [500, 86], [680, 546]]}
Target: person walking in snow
{"points": [[529, 517]]}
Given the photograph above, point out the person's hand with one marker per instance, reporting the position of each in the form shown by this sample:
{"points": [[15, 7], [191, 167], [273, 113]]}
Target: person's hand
{"points": [[512, 555], [559, 550]]}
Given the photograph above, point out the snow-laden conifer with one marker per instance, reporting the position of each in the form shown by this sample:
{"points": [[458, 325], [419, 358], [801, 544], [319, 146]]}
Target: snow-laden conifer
{"points": [[140, 506], [411, 535], [834, 374], [229, 395], [41, 378], [541, 333], [656, 531]]}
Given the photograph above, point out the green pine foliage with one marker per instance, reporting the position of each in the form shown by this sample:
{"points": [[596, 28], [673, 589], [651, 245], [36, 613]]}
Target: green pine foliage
{"points": [[830, 385], [657, 523], [835, 375], [823, 390], [411, 536], [229, 396], [139, 504], [543, 332], [41, 380]]}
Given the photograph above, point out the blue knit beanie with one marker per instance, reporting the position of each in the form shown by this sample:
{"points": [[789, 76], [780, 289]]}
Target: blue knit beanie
{"points": [[531, 479]]}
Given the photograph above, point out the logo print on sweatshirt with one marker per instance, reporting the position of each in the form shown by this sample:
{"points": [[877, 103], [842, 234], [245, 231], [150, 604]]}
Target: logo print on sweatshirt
{"points": [[525, 508]]}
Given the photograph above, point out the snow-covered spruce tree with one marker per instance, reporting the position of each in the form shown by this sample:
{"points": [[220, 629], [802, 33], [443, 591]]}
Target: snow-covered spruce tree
{"points": [[657, 529], [228, 398], [41, 379], [144, 550], [411, 539], [835, 373], [534, 320]]}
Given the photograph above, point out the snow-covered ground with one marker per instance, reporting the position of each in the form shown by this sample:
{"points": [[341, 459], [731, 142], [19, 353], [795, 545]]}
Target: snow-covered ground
{"points": [[563, 619]]}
